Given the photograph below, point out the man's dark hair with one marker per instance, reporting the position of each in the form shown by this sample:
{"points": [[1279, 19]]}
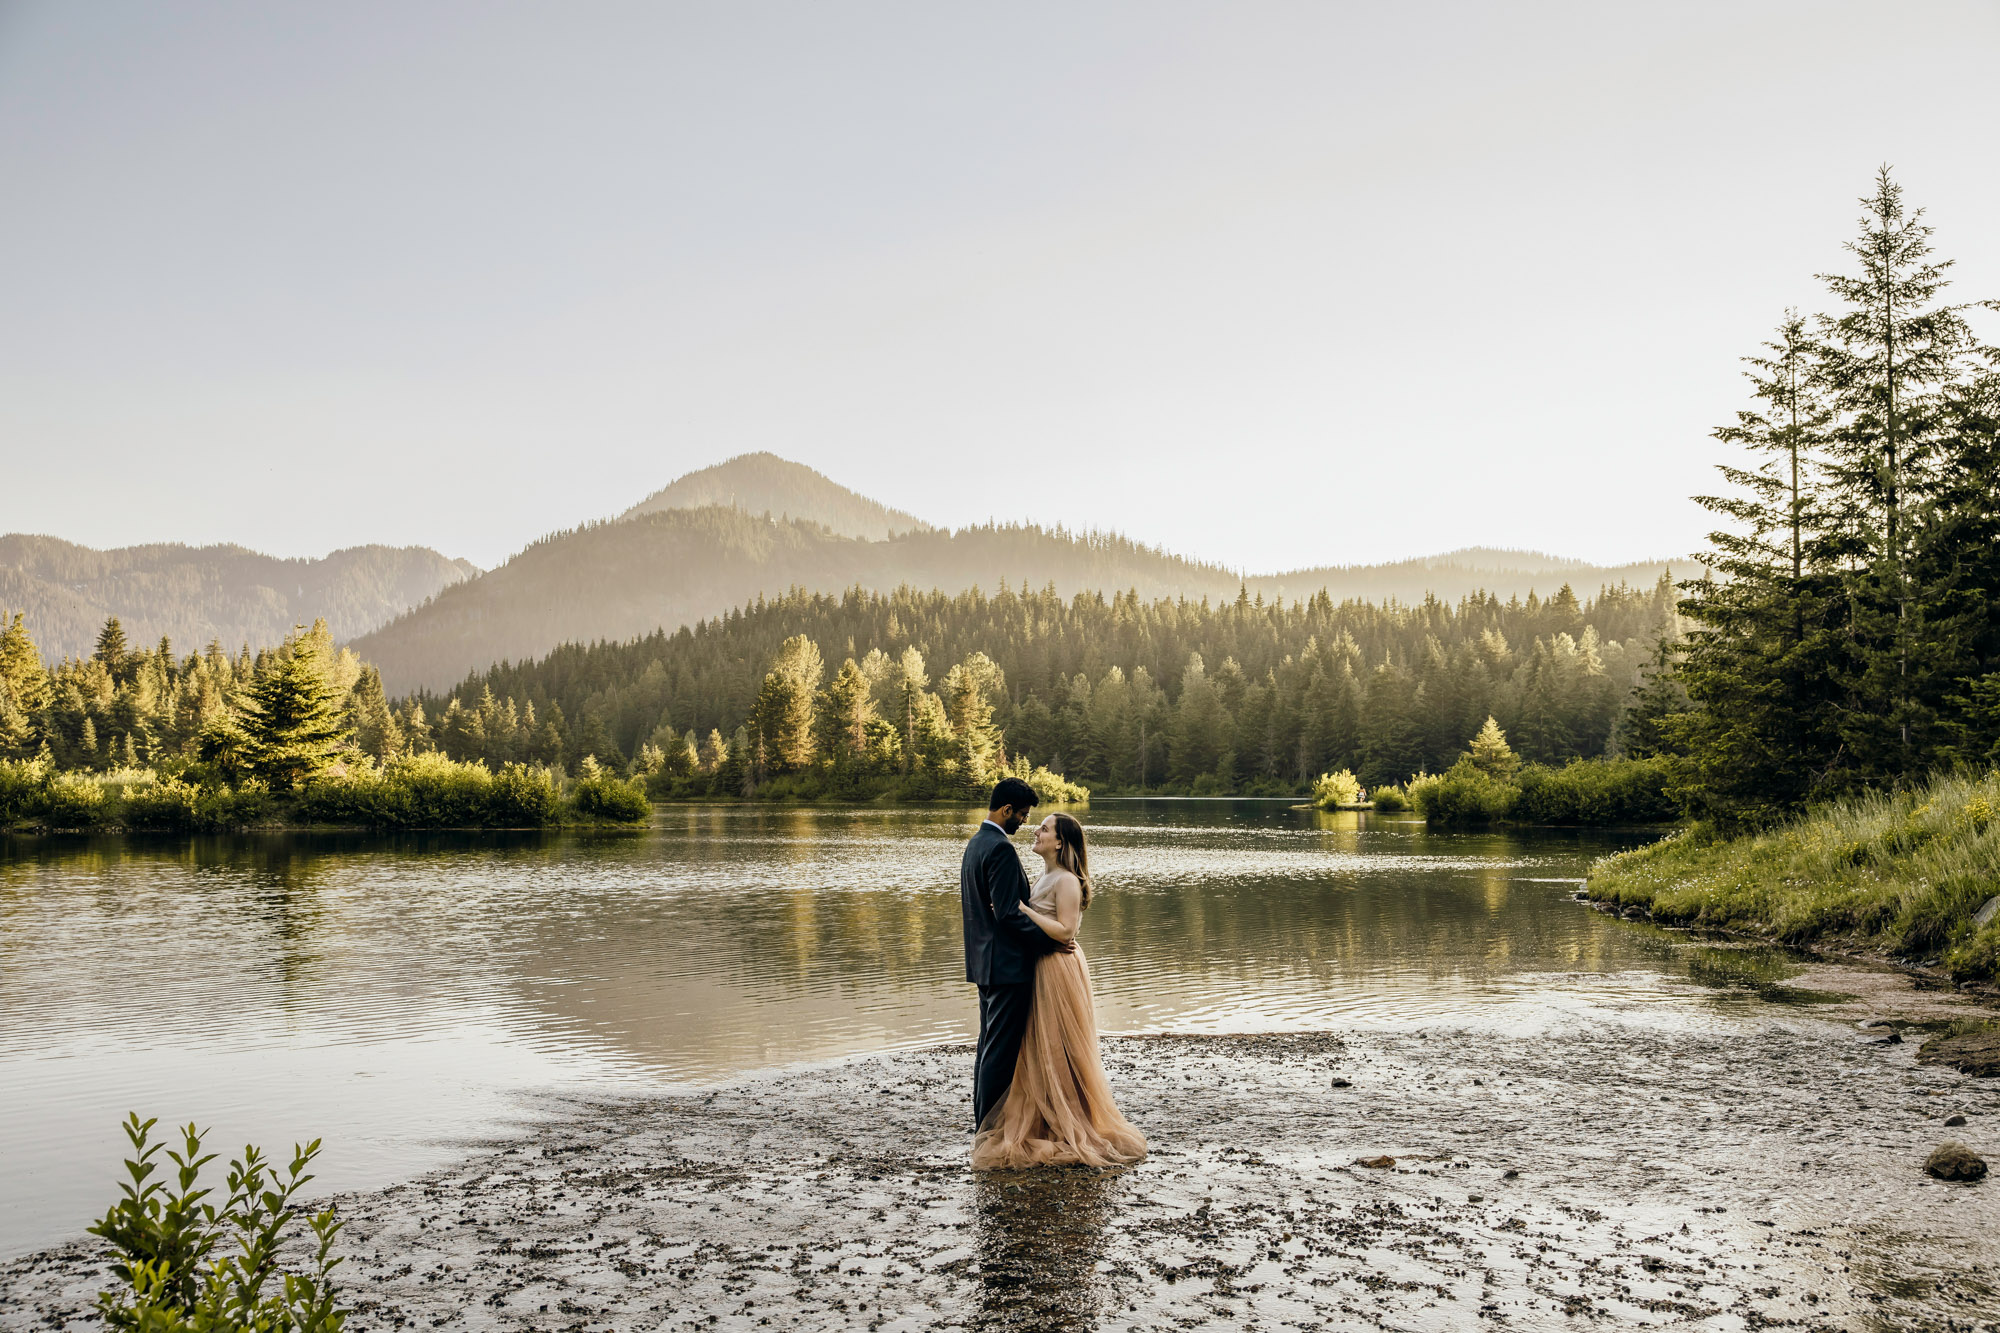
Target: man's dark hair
{"points": [[1014, 792]]}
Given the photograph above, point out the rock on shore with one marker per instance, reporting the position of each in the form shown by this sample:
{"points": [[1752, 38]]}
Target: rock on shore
{"points": [[1740, 1175]]}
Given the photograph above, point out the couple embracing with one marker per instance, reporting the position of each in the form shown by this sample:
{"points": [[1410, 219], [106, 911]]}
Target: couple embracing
{"points": [[1039, 1095]]}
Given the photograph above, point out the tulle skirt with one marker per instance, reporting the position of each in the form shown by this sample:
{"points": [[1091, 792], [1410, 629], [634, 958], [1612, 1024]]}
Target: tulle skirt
{"points": [[1059, 1108]]}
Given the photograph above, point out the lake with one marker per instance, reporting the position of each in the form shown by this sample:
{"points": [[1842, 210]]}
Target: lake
{"points": [[400, 996]]}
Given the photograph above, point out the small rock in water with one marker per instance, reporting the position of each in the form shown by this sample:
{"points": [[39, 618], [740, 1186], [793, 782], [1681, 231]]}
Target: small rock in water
{"points": [[1384, 1163], [1893, 1039], [1510, 1174], [1342, 1083], [1955, 1161], [1635, 914], [1953, 1121]]}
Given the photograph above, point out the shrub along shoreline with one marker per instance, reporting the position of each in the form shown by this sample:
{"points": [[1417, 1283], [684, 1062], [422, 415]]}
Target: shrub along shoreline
{"points": [[1900, 875], [415, 792]]}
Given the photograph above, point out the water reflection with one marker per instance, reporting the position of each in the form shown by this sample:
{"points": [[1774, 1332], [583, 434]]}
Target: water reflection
{"points": [[1040, 1237], [392, 992]]}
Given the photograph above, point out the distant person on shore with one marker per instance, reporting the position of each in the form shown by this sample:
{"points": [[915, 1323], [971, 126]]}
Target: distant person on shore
{"points": [[1039, 1095]]}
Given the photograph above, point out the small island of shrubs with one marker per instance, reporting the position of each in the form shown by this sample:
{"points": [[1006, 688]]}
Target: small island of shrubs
{"points": [[1489, 785]]}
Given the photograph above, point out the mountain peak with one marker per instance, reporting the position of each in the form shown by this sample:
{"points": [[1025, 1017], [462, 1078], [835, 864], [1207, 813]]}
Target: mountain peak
{"points": [[763, 483]]}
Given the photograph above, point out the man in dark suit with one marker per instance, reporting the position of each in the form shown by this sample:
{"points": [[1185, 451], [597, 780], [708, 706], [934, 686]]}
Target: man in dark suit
{"points": [[1001, 944]]}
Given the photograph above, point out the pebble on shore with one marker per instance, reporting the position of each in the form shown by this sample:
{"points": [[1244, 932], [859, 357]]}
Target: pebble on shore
{"points": [[1955, 1161]]}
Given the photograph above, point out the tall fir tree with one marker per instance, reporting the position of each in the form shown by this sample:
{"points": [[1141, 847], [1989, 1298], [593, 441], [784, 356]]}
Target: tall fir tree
{"points": [[1762, 659], [1888, 359], [292, 720]]}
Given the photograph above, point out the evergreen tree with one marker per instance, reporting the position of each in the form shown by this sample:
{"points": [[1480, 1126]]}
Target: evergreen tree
{"points": [[292, 720], [1956, 560], [593, 741], [24, 690], [910, 683], [21, 670], [966, 688], [1391, 749], [1647, 727], [782, 719], [1761, 660], [111, 650], [1888, 360], [842, 714], [1491, 754], [1200, 735], [376, 730]]}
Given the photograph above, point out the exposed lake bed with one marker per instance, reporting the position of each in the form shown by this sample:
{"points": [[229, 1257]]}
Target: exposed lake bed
{"points": [[722, 1083], [1759, 1175]]}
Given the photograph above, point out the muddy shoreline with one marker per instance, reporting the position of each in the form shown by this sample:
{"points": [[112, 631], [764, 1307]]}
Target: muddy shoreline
{"points": [[1824, 951], [1752, 1173]]}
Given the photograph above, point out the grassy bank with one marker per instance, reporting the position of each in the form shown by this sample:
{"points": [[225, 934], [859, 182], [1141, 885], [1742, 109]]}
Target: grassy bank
{"points": [[1899, 875], [420, 792]]}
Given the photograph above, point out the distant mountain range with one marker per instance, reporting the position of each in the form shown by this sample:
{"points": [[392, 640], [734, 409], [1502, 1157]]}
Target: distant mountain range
{"points": [[712, 541], [767, 484], [192, 594]]}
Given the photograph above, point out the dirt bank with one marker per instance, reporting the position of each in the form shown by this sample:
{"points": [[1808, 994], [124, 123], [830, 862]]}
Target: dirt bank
{"points": [[1750, 1173]]}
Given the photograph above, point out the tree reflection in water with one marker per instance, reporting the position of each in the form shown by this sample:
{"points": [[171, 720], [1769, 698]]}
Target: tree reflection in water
{"points": [[1040, 1236]]}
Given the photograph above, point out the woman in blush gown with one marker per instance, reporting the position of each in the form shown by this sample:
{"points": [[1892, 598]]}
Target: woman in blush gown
{"points": [[1059, 1109]]}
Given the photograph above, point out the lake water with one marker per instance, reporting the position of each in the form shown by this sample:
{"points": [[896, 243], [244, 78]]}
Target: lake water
{"points": [[401, 995]]}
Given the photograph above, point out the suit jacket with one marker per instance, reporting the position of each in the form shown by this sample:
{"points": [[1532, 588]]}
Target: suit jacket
{"points": [[1001, 944]]}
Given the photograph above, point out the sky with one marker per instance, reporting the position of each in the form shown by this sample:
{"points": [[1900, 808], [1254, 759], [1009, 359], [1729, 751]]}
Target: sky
{"points": [[1270, 284]]}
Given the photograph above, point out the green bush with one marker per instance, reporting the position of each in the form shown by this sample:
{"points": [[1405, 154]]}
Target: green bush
{"points": [[24, 790], [165, 1242], [73, 801], [171, 805], [431, 791], [1332, 790], [598, 795], [1463, 794], [1390, 799], [1597, 791]]}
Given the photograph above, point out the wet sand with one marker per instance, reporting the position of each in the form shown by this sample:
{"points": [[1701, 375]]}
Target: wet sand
{"points": [[1754, 1171]]}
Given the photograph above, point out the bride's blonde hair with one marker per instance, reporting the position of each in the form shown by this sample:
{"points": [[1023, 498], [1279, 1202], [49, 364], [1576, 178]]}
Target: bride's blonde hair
{"points": [[1071, 852]]}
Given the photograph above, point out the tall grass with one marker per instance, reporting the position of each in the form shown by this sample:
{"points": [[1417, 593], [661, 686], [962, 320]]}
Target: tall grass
{"points": [[1900, 874]]}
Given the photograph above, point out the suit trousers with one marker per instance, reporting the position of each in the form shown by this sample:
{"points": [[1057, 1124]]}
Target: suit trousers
{"points": [[1003, 1026]]}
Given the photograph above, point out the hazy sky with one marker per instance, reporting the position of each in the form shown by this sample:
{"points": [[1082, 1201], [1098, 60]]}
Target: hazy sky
{"points": [[1274, 284]]}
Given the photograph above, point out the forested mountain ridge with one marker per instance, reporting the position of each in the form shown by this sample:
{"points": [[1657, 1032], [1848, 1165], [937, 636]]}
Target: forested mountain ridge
{"points": [[763, 483], [1458, 574], [626, 578], [195, 594], [1121, 692]]}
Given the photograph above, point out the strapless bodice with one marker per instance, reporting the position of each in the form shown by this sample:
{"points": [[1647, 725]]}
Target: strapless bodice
{"points": [[1042, 897]]}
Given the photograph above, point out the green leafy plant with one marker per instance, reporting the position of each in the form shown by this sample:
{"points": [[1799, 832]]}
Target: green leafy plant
{"points": [[600, 795], [1465, 793], [166, 1239], [1389, 799], [1332, 790]]}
